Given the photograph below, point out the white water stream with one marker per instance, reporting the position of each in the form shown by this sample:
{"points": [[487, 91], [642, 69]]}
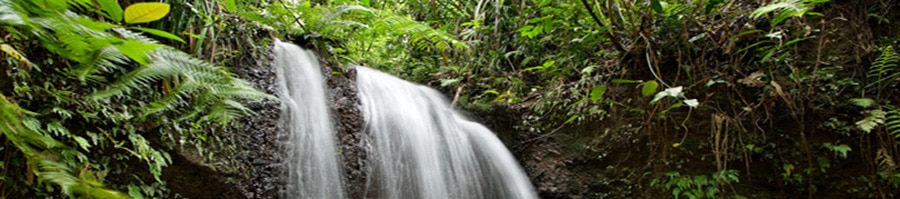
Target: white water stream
{"points": [[313, 168], [416, 145], [419, 147]]}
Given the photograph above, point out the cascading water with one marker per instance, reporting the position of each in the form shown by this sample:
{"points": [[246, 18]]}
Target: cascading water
{"points": [[313, 168], [419, 147]]}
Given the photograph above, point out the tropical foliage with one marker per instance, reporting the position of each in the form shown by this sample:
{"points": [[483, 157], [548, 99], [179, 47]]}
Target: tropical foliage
{"points": [[85, 94], [643, 99], [752, 92]]}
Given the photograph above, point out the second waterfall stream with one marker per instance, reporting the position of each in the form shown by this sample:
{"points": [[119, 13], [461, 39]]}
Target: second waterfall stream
{"points": [[416, 145]]}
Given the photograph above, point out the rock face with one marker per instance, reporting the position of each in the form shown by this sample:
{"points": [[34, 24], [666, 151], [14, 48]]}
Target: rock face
{"points": [[258, 134], [345, 110], [245, 161], [260, 142]]}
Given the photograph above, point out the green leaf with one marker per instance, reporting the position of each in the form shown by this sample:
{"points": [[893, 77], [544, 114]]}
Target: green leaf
{"points": [[254, 17], [112, 8], [449, 82], [625, 81], [145, 12], [572, 119], [869, 123], [598, 92], [862, 102], [544, 3], [365, 3], [230, 6], [649, 88], [137, 50], [657, 6], [160, 33], [711, 4]]}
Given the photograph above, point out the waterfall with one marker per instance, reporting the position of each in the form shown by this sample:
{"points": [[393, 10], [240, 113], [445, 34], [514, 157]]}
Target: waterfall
{"points": [[419, 147], [312, 166], [416, 145]]}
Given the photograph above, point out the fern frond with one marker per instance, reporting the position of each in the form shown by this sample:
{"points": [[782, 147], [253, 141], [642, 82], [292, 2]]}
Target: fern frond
{"points": [[892, 121], [104, 60], [785, 9], [43, 164], [421, 35], [344, 9], [884, 70], [884, 161], [340, 20], [790, 5], [196, 80]]}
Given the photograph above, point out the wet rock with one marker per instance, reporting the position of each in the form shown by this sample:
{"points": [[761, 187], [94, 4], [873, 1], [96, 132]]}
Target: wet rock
{"points": [[540, 156], [258, 134], [348, 118]]}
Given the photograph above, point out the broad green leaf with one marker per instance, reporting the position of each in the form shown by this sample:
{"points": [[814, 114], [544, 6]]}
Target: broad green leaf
{"points": [[598, 92], [230, 6], [862, 102], [145, 12], [649, 88], [137, 50], [365, 3], [160, 33], [112, 8]]}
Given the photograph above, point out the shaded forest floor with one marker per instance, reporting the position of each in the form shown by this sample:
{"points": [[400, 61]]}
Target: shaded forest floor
{"points": [[776, 120]]}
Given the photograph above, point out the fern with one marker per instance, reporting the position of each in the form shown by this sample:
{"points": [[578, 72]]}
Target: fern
{"points": [[141, 71], [42, 160], [885, 162], [341, 21], [196, 79], [884, 70], [892, 121], [785, 9]]}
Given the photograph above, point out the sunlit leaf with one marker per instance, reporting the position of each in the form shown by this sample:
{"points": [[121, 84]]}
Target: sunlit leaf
{"points": [[137, 50], [145, 12], [230, 6], [160, 33], [649, 88], [875, 118], [862, 102]]}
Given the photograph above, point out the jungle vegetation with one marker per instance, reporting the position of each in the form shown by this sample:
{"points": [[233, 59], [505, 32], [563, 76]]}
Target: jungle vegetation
{"points": [[647, 98]]}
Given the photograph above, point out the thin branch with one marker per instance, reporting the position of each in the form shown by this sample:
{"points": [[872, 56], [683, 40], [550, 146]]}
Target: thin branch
{"points": [[612, 37], [456, 96]]}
